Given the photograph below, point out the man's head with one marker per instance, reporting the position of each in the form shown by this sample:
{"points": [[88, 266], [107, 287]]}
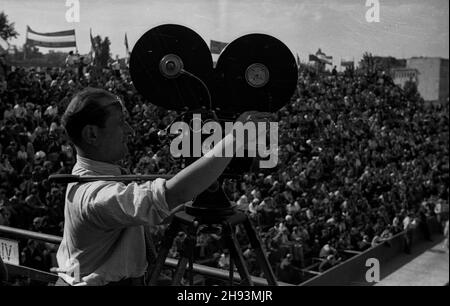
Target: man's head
{"points": [[95, 123]]}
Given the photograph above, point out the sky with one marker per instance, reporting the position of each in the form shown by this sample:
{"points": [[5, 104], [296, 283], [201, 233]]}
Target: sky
{"points": [[407, 28]]}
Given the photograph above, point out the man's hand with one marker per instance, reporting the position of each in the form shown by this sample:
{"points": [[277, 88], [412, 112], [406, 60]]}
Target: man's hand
{"points": [[254, 116], [194, 179]]}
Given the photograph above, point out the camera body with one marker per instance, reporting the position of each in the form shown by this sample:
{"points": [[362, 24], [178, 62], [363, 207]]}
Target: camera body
{"points": [[171, 65]]}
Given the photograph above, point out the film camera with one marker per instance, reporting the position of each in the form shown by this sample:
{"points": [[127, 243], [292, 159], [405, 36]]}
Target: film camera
{"points": [[172, 66]]}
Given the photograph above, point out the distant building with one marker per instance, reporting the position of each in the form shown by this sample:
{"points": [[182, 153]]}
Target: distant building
{"points": [[388, 62], [403, 75], [432, 77]]}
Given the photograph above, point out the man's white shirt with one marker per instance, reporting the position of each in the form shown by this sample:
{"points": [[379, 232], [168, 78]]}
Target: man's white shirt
{"points": [[103, 237]]}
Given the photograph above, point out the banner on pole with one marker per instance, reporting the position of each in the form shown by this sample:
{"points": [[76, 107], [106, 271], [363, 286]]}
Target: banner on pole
{"points": [[61, 39]]}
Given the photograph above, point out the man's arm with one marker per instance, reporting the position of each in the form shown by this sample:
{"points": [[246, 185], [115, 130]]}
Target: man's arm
{"points": [[193, 180]]}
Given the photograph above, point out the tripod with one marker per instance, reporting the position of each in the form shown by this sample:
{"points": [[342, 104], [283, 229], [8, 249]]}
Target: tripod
{"points": [[202, 212]]}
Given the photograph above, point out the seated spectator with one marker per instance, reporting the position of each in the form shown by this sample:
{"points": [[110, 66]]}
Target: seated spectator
{"points": [[326, 251], [365, 243], [329, 262], [287, 272]]}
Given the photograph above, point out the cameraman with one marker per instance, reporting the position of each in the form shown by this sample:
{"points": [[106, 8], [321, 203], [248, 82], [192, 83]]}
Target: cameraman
{"points": [[104, 241]]}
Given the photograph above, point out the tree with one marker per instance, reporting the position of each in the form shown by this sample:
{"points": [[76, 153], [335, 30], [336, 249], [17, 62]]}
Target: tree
{"points": [[37, 59], [367, 63], [372, 64], [411, 91], [32, 51], [102, 51], [386, 63], [6, 28]]}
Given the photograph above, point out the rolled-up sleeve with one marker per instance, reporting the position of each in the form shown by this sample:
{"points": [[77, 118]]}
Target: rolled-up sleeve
{"points": [[112, 205]]}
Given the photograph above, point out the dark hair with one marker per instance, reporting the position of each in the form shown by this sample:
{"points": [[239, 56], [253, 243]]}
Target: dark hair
{"points": [[85, 108]]}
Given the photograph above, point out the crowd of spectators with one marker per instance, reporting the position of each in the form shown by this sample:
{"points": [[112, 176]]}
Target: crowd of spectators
{"points": [[360, 160]]}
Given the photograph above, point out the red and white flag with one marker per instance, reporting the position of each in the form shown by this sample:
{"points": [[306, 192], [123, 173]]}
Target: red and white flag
{"points": [[61, 39], [324, 58]]}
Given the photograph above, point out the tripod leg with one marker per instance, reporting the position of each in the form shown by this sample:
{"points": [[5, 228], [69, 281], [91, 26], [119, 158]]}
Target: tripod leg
{"points": [[173, 229], [191, 249], [236, 254], [260, 255], [231, 272], [181, 267]]}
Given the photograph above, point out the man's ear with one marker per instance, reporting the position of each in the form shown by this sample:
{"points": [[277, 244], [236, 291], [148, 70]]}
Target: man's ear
{"points": [[89, 134]]}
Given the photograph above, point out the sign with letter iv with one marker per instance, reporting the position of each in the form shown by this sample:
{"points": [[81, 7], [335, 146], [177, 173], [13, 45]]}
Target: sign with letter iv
{"points": [[9, 251]]}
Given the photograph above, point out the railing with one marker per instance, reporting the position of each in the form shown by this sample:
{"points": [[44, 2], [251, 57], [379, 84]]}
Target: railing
{"points": [[38, 275], [20, 233], [352, 271], [343, 273]]}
